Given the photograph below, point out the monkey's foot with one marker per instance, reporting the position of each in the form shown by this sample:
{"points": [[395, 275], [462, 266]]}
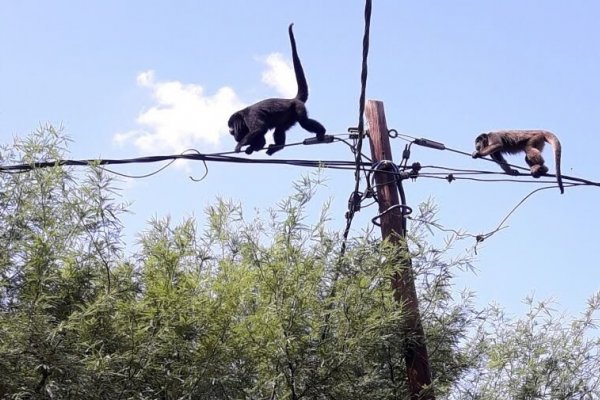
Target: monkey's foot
{"points": [[249, 150], [508, 170], [538, 170], [273, 148]]}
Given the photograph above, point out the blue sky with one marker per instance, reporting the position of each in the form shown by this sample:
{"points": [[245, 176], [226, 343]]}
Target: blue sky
{"points": [[148, 77]]}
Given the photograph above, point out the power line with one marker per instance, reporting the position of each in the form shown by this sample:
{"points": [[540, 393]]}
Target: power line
{"points": [[333, 164], [356, 198], [362, 166], [196, 156]]}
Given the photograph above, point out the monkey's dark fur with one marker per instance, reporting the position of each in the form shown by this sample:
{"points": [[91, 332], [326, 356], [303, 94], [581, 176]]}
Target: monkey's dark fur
{"points": [[249, 126], [494, 144]]}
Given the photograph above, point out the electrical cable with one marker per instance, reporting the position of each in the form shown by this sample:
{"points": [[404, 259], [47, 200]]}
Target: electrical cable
{"points": [[356, 196], [354, 202], [481, 238]]}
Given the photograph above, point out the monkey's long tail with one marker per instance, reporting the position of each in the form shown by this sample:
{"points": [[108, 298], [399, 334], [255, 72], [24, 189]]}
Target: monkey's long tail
{"points": [[302, 94], [553, 140]]}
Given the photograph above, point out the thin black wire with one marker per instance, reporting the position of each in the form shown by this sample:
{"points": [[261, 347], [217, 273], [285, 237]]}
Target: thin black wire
{"points": [[353, 148], [465, 178], [474, 172], [481, 238], [441, 228], [333, 164], [460, 169], [369, 190], [404, 136]]}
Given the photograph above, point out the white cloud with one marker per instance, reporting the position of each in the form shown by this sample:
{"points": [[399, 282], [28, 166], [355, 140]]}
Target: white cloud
{"points": [[280, 75], [183, 117]]}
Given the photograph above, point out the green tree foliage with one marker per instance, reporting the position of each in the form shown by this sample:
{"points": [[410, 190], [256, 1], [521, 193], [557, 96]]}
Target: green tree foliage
{"points": [[58, 244], [542, 355], [256, 308]]}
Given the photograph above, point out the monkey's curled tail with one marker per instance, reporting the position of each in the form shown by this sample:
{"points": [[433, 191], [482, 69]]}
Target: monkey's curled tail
{"points": [[553, 140], [302, 94]]}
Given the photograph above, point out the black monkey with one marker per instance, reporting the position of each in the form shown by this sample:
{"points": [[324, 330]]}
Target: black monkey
{"points": [[249, 126]]}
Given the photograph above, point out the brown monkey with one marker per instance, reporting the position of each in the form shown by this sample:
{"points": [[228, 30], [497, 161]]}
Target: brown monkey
{"points": [[494, 144]]}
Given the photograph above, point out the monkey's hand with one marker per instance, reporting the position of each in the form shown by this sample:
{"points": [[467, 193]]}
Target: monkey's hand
{"points": [[249, 150], [238, 148], [475, 154]]}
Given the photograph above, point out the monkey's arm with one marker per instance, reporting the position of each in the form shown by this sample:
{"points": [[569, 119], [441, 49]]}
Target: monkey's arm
{"points": [[486, 151], [254, 139]]}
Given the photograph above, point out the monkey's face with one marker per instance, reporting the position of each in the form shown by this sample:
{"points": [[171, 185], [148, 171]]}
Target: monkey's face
{"points": [[481, 141], [237, 127]]}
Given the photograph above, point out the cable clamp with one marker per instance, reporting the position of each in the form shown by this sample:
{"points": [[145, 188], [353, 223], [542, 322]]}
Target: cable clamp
{"points": [[405, 154], [414, 172], [354, 134], [430, 143], [400, 175], [385, 165], [354, 202], [316, 140]]}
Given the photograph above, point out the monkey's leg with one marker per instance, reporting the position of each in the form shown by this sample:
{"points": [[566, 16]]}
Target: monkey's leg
{"points": [[499, 158], [534, 159], [313, 126], [279, 139], [310, 125]]}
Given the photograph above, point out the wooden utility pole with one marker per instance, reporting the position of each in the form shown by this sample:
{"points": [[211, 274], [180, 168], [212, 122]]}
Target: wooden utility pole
{"points": [[393, 229]]}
